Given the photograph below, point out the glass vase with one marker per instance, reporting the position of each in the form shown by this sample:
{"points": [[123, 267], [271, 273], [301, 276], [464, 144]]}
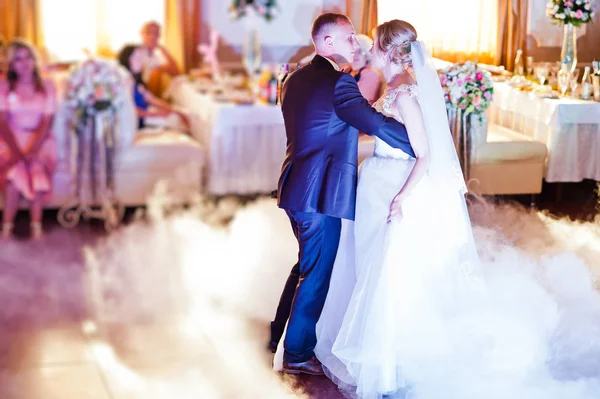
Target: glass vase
{"points": [[568, 54], [252, 53]]}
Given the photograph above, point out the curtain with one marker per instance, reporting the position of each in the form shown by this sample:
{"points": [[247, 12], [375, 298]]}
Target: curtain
{"points": [[20, 18], [512, 31], [368, 18], [101, 27], [182, 29], [452, 32]]}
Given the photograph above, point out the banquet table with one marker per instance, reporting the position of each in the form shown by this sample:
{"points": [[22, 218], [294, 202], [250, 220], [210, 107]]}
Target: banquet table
{"points": [[245, 143], [569, 127]]}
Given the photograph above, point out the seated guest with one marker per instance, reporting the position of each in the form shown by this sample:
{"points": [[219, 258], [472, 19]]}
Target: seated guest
{"points": [[369, 79], [27, 146], [157, 60], [151, 110]]}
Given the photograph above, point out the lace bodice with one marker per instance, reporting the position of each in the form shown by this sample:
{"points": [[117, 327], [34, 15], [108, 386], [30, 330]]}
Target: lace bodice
{"points": [[386, 105]]}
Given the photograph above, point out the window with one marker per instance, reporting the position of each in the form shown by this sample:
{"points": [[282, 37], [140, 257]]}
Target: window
{"points": [[451, 31], [99, 27]]}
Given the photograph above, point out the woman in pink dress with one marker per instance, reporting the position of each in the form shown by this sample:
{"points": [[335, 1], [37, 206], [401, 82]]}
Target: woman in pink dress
{"points": [[370, 80], [27, 146]]}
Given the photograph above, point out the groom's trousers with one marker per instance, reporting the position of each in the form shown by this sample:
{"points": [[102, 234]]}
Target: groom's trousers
{"points": [[318, 238]]}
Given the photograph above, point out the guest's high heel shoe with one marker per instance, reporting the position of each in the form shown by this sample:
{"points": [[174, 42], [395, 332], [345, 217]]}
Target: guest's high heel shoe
{"points": [[36, 230]]}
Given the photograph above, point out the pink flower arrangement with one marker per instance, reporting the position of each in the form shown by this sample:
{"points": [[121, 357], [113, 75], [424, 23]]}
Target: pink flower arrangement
{"points": [[467, 87], [265, 8], [95, 85], [571, 12]]}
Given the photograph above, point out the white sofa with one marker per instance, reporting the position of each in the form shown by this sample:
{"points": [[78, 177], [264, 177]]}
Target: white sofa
{"points": [[143, 158], [507, 162]]}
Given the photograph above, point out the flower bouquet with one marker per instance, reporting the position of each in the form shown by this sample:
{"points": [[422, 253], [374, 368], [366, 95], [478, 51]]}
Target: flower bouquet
{"points": [[265, 8], [467, 87], [570, 12], [95, 85]]}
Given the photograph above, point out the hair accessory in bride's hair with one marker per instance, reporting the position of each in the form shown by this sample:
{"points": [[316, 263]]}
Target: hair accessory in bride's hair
{"points": [[406, 48], [401, 54]]}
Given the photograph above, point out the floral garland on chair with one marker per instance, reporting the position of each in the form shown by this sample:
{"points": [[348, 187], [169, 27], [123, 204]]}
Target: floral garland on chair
{"points": [[265, 8]]}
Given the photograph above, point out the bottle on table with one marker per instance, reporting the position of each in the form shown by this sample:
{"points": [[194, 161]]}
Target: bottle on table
{"points": [[264, 85], [519, 69], [586, 84], [596, 79], [284, 71], [273, 87]]}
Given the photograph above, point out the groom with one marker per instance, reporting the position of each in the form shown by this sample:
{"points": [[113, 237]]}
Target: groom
{"points": [[323, 112]]}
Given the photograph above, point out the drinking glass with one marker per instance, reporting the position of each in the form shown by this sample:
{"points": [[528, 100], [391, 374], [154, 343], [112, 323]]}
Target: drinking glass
{"points": [[575, 82], [542, 72], [564, 80]]}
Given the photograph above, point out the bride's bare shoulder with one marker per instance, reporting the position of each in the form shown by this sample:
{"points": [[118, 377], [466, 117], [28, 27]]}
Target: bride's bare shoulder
{"points": [[403, 79]]}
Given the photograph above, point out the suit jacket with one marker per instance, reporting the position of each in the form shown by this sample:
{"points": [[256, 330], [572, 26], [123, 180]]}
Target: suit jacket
{"points": [[323, 112]]}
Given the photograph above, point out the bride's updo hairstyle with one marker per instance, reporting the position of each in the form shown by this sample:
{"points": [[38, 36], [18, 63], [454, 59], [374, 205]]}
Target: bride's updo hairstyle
{"points": [[394, 39]]}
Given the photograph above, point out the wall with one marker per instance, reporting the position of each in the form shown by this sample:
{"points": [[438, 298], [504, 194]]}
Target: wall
{"points": [[285, 39], [544, 39]]}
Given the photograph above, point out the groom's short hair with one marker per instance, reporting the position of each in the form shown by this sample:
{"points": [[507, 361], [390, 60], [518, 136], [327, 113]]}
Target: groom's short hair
{"points": [[325, 21]]}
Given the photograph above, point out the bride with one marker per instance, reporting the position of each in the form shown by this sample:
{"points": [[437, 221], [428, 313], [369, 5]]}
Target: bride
{"points": [[410, 312]]}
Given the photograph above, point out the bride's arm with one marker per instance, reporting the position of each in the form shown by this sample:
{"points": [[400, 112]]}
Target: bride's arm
{"points": [[410, 111]]}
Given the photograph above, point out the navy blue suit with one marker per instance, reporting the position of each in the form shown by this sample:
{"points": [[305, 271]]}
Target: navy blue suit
{"points": [[323, 112]]}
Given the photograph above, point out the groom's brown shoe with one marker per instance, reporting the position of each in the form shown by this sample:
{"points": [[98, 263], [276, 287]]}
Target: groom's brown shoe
{"points": [[310, 367]]}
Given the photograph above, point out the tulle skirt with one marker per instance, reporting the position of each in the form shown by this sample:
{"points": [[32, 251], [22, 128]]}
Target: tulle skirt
{"points": [[412, 312]]}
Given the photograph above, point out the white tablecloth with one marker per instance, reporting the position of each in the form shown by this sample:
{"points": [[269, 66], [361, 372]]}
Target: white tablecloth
{"points": [[569, 127], [245, 143]]}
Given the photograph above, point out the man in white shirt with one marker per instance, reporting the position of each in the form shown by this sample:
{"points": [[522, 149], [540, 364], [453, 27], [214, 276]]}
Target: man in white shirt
{"points": [[157, 58]]}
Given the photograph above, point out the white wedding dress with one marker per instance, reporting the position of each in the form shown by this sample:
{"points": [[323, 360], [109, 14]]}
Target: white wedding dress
{"points": [[389, 280], [412, 312]]}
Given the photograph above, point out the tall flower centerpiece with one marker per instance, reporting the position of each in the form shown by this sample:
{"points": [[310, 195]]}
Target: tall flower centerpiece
{"points": [[572, 14], [253, 12], [468, 91], [95, 90]]}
